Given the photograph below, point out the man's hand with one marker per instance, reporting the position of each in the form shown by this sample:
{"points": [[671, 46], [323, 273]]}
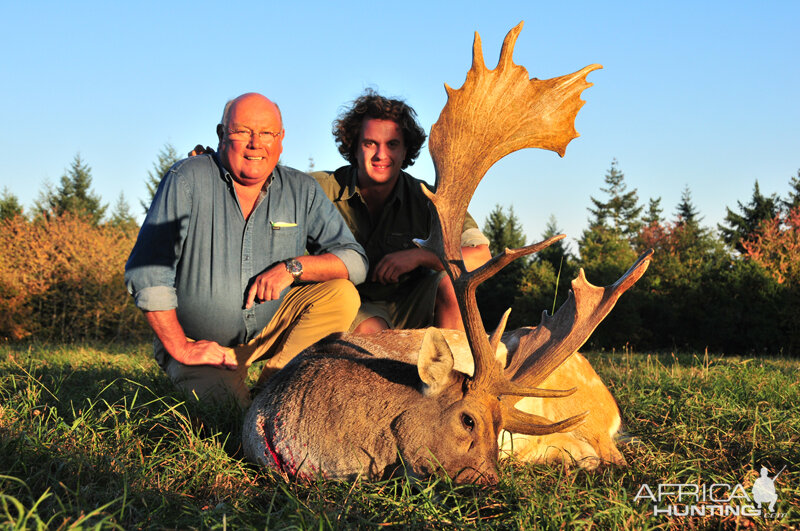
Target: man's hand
{"points": [[207, 353], [183, 350], [200, 150], [392, 265], [268, 285]]}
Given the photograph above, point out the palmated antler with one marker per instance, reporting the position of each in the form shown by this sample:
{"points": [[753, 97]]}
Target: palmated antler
{"points": [[545, 347], [497, 112], [494, 113]]}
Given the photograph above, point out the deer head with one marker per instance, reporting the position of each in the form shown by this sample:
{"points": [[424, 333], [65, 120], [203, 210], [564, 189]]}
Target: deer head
{"points": [[353, 404]]}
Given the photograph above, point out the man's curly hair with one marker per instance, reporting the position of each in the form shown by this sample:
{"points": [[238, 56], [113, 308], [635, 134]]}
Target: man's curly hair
{"points": [[347, 127]]}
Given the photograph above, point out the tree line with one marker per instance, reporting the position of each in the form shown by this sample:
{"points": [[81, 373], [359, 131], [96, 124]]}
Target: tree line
{"points": [[734, 288]]}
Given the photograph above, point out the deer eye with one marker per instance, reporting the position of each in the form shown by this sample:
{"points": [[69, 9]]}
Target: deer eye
{"points": [[468, 422]]}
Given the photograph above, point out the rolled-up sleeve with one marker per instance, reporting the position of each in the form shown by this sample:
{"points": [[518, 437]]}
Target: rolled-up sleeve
{"points": [[151, 267], [471, 235]]}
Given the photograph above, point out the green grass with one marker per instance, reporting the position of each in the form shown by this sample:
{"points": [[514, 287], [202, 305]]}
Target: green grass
{"points": [[95, 437]]}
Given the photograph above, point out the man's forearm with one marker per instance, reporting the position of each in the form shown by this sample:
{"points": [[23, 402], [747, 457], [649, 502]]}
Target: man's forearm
{"points": [[166, 326], [322, 267], [169, 331], [474, 257]]}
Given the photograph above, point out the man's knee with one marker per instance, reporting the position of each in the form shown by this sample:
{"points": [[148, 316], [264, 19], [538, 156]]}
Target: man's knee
{"points": [[345, 300], [331, 305], [209, 384]]}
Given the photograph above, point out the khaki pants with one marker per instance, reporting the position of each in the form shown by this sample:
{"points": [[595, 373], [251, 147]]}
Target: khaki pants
{"points": [[415, 309], [307, 314]]}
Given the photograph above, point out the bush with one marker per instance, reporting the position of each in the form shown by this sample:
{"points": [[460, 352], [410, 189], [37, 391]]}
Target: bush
{"points": [[62, 279]]}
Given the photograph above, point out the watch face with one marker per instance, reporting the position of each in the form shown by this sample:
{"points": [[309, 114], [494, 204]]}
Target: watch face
{"points": [[294, 267]]}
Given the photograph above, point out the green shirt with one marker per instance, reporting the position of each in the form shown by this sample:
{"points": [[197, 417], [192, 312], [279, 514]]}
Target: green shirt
{"points": [[404, 217]]}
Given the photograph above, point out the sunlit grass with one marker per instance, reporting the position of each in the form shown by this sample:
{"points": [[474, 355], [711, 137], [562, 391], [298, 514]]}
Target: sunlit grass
{"points": [[95, 436]]}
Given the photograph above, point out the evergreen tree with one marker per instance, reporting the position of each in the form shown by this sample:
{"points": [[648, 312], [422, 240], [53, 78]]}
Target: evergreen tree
{"points": [[686, 212], [73, 195], [166, 158], [557, 255], [654, 212], [503, 230], [562, 263], [748, 220], [499, 292], [793, 199], [621, 211], [9, 205], [121, 217], [310, 164]]}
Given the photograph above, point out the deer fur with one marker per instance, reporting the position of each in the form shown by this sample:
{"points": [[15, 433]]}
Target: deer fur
{"points": [[349, 406]]}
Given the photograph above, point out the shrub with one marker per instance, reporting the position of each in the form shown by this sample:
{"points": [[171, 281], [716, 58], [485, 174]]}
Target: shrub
{"points": [[62, 279]]}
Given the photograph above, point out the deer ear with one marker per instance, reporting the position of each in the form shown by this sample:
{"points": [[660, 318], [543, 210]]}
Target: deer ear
{"points": [[435, 362]]}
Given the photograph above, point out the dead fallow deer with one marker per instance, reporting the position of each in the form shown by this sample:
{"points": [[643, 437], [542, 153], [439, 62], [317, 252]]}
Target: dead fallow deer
{"points": [[369, 405], [588, 445]]}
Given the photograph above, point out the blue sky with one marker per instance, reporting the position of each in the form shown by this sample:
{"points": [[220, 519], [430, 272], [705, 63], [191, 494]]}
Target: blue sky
{"points": [[702, 94]]}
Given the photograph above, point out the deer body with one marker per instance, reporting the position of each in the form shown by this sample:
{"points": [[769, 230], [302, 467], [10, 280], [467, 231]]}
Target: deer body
{"points": [[355, 405], [352, 406], [589, 445]]}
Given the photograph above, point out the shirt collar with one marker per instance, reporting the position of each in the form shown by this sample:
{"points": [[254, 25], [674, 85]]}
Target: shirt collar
{"points": [[351, 186]]}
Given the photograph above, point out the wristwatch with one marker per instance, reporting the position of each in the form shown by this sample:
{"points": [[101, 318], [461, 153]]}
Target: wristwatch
{"points": [[294, 267]]}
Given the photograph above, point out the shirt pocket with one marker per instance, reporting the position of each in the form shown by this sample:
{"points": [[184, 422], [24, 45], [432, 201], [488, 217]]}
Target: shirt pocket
{"points": [[285, 240], [398, 241]]}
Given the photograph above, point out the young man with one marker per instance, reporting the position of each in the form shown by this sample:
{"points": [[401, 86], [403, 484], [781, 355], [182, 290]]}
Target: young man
{"points": [[216, 264], [386, 209]]}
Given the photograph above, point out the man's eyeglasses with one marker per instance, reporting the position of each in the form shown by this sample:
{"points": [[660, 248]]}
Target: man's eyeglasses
{"points": [[244, 135]]}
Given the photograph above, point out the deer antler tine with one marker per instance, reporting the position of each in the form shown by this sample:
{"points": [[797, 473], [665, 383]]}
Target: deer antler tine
{"points": [[557, 337], [494, 341], [498, 262], [477, 53], [511, 389], [507, 51], [516, 421]]}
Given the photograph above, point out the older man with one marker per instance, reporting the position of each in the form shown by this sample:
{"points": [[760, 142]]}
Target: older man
{"points": [[386, 209], [220, 266]]}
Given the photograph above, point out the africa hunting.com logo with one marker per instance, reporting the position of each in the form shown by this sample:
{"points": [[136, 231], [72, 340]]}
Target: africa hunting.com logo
{"points": [[717, 499]]}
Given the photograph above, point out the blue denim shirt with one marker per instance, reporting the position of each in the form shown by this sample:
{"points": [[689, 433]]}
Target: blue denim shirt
{"points": [[197, 254]]}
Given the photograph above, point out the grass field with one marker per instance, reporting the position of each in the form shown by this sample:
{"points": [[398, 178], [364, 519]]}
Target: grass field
{"points": [[95, 437]]}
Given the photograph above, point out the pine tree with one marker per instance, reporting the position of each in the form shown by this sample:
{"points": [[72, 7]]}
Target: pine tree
{"points": [[121, 217], [622, 210], [499, 292], [73, 195], [654, 212], [748, 220], [606, 247], [557, 254], [9, 205], [793, 199], [562, 263], [166, 158], [503, 230], [686, 212]]}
